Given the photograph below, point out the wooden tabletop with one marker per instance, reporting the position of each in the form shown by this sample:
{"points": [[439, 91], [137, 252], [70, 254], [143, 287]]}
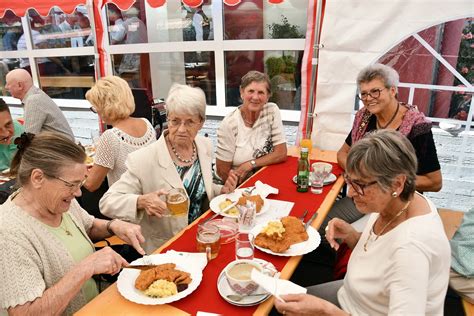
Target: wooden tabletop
{"points": [[110, 302]]}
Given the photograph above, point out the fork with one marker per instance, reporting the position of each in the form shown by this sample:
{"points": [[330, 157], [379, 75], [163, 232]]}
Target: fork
{"points": [[249, 191], [301, 218]]}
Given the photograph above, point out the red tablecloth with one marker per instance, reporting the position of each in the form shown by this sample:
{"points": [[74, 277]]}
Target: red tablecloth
{"points": [[206, 297]]}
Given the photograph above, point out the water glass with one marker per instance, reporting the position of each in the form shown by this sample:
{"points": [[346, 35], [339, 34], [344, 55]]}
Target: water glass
{"points": [[243, 247], [317, 183]]}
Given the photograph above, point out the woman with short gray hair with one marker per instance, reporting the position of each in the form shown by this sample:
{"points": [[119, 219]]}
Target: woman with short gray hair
{"points": [[180, 158], [400, 262]]}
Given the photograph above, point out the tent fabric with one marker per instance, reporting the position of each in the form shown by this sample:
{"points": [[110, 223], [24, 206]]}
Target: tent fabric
{"points": [[356, 34]]}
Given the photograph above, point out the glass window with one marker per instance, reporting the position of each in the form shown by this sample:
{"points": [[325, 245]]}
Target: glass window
{"points": [[283, 68], [191, 68], [171, 22], [59, 30], [10, 31], [454, 42], [257, 19], [66, 77]]}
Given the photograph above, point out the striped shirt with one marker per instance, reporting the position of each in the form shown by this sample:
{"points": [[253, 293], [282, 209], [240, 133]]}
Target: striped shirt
{"points": [[42, 114]]}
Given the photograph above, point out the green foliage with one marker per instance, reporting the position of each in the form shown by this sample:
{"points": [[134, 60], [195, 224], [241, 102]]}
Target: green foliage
{"points": [[279, 65], [284, 30]]}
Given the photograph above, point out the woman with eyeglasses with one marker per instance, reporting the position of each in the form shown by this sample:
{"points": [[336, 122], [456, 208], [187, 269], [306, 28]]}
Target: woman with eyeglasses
{"points": [[112, 99], [252, 135], [400, 262], [48, 257], [179, 159]]}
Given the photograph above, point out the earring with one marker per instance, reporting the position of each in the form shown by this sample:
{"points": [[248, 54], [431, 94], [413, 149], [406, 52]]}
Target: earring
{"points": [[394, 194]]}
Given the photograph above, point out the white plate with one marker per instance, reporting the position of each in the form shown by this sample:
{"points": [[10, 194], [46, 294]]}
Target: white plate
{"points": [[214, 204], [298, 249], [126, 281], [224, 288], [329, 179]]}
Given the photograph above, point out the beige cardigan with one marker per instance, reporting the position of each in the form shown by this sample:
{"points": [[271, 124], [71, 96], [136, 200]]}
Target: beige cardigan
{"points": [[150, 169], [32, 258]]}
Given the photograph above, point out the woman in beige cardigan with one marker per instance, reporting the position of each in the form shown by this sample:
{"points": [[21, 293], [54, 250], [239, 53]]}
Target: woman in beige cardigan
{"points": [[48, 258], [179, 159]]}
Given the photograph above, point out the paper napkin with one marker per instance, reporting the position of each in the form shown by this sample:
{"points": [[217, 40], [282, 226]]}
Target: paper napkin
{"points": [[264, 190], [198, 259], [276, 287]]}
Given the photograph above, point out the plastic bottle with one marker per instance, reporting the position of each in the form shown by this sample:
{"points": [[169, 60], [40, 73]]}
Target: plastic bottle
{"points": [[302, 180]]}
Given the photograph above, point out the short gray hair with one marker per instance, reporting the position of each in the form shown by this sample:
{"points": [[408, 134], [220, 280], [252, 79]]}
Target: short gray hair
{"points": [[382, 72], [385, 154], [186, 100], [256, 76]]}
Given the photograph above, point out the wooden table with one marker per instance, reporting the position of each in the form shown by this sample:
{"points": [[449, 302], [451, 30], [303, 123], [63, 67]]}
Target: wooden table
{"points": [[110, 302]]}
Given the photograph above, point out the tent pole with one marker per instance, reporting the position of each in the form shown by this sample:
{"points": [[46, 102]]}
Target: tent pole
{"points": [[314, 69], [90, 11]]}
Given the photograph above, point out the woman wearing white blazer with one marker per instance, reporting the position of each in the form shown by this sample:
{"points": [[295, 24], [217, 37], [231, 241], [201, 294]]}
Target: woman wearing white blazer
{"points": [[179, 159]]}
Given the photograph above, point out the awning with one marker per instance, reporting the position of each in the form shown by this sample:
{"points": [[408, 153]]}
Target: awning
{"points": [[41, 6]]}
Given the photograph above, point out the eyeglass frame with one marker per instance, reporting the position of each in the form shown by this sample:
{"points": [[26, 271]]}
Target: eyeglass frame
{"points": [[367, 94], [358, 187], [188, 124], [71, 186], [93, 109]]}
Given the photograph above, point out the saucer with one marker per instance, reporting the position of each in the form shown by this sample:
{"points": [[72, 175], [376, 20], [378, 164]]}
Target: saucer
{"points": [[224, 288]]}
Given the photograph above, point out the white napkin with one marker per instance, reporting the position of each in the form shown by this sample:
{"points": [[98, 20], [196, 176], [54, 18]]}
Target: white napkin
{"points": [[198, 259], [264, 190], [276, 286], [206, 314]]}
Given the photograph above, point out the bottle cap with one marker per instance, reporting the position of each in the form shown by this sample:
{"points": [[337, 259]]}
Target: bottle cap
{"points": [[304, 149]]}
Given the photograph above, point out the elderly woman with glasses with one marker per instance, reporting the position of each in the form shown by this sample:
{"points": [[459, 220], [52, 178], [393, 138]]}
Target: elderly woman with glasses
{"points": [[48, 258], [252, 135], [112, 99], [179, 159], [400, 262]]}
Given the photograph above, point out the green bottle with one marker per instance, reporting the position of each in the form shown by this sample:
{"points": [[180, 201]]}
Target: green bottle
{"points": [[303, 171]]}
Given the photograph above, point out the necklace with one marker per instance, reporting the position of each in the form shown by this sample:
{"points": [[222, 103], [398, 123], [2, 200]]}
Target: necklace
{"points": [[193, 157], [386, 225], [247, 122], [391, 120], [66, 230]]}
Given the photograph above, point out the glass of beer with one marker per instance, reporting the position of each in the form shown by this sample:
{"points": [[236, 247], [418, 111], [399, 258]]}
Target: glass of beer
{"points": [[177, 202], [208, 240]]}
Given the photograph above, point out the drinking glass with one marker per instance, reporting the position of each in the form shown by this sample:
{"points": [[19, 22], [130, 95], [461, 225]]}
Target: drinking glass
{"points": [[208, 240], [177, 202], [247, 215], [243, 247]]}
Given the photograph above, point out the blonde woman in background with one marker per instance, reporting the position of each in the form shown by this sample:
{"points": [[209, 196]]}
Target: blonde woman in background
{"points": [[112, 99]]}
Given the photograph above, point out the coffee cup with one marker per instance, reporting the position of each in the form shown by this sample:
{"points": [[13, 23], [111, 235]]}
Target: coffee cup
{"points": [[238, 277]]}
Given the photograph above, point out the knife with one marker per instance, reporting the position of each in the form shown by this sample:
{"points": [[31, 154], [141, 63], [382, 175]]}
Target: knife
{"points": [[310, 220], [141, 266], [222, 211]]}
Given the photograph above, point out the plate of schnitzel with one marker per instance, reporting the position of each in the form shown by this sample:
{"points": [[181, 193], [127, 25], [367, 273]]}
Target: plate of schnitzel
{"points": [[285, 237], [171, 280]]}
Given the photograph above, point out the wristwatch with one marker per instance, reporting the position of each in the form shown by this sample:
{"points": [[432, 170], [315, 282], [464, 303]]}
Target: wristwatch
{"points": [[254, 164]]}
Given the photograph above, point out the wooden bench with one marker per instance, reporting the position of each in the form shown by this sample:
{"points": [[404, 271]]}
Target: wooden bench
{"points": [[451, 222]]}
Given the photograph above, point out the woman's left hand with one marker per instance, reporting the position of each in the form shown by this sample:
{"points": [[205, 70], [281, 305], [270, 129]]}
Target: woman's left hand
{"points": [[130, 233], [230, 183]]}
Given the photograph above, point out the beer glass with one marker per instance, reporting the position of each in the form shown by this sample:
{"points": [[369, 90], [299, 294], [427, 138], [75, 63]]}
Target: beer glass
{"points": [[208, 240], [177, 202]]}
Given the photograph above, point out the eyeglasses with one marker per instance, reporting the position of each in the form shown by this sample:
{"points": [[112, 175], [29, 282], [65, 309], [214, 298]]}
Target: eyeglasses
{"points": [[357, 186], [93, 109], [72, 186], [374, 94], [188, 124]]}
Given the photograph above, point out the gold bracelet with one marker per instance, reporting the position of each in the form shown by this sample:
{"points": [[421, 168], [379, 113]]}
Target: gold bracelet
{"points": [[108, 226]]}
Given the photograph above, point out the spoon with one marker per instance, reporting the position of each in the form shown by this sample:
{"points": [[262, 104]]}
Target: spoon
{"points": [[237, 297]]}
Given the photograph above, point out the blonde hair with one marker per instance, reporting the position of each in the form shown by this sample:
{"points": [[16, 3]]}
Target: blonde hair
{"points": [[112, 97], [184, 99]]}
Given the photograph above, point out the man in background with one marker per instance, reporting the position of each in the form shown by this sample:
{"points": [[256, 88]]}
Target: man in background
{"points": [[40, 111], [9, 130]]}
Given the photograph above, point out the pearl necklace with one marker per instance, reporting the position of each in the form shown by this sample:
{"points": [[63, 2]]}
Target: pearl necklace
{"points": [[385, 227], [193, 157], [391, 120]]}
